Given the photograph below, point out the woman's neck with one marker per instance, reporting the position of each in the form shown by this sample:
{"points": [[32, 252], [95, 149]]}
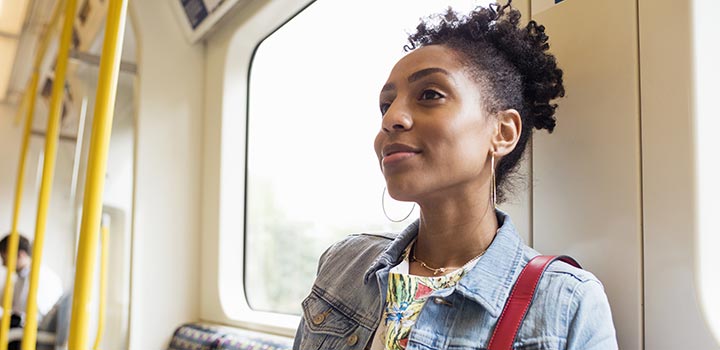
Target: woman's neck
{"points": [[452, 232]]}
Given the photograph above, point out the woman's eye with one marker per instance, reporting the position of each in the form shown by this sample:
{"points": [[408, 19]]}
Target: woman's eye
{"points": [[430, 95], [384, 107]]}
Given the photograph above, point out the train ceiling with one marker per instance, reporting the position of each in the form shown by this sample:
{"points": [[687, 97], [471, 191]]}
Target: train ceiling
{"points": [[85, 54]]}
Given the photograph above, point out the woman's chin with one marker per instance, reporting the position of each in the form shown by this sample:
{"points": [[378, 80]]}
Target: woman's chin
{"points": [[401, 195]]}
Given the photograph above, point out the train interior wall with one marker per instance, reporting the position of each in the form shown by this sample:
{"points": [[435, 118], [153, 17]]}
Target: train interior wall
{"points": [[159, 124], [165, 284], [595, 192]]}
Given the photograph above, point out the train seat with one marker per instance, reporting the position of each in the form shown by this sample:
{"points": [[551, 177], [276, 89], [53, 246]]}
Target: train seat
{"points": [[192, 336]]}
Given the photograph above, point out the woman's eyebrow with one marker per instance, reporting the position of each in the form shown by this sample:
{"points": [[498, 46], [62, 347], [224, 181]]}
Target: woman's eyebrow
{"points": [[417, 76], [425, 72], [387, 87]]}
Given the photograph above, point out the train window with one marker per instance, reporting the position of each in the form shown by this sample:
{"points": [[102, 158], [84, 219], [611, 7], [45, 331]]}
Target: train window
{"points": [[312, 174]]}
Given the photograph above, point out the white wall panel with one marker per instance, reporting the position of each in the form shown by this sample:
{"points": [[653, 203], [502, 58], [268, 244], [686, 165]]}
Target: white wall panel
{"points": [[165, 276], [673, 311], [586, 200]]}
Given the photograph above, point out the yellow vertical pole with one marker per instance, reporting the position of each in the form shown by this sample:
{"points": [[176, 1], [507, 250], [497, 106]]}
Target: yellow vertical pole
{"points": [[95, 176], [31, 95], [12, 247], [51, 142], [104, 249]]}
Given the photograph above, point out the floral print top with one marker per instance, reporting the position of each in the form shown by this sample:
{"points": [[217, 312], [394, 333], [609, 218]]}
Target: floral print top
{"points": [[406, 296]]}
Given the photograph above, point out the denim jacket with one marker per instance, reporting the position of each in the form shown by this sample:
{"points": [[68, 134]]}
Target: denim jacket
{"points": [[344, 308]]}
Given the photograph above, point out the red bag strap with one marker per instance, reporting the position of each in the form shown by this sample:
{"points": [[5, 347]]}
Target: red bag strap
{"points": [[520, 299]]}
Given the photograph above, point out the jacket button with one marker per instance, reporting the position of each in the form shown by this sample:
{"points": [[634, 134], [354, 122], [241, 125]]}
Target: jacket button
{"points": [[318, 319], [352, 340]]}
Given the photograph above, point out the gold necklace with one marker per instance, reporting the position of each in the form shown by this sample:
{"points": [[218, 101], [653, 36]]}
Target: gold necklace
{"points": [[441, 270]]}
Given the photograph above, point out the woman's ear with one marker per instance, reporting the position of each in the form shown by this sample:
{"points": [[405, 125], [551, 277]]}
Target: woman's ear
{"points": [[507, 133]]}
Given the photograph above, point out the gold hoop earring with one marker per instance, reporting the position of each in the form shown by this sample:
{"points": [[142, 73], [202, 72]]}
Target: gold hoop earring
{"points": [[494, 188], [385, 211]]}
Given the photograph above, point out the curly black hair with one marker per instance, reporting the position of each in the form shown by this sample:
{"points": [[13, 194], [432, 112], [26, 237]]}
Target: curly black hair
{"points": [[511, 64]]}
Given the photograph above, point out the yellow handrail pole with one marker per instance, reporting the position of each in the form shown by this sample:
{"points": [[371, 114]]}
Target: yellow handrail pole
{"points": [[104, 249], [12, 248], [95, 176], [51, 141]]}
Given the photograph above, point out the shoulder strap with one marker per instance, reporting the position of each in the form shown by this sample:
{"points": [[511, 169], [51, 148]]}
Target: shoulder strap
{"points": [[520, 299]]}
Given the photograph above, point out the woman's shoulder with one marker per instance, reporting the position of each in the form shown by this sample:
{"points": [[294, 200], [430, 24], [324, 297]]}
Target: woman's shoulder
{"points": [[561, 272], [340, 283], [381, 239], [567, 287], [577, 299], [358, 247], [573, 285]]}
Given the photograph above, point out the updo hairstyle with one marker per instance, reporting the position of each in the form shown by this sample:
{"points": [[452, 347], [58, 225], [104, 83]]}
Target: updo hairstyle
{"points": [[511, 64]]}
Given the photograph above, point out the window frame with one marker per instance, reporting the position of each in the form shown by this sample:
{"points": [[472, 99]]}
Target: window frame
{"points": [[225, 306], [227, 179]]}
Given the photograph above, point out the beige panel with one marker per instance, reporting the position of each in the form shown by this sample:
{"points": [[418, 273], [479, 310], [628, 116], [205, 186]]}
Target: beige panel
{"points": [[586, 200], [8, 47], [673, 318], [12, 15], [165, 280]]}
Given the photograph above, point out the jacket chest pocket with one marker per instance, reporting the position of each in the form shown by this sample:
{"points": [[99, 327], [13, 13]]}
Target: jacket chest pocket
{"points": [[325, 327]]}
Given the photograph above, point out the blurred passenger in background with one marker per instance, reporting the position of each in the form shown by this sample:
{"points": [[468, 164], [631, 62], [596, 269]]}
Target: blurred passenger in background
{"points": [[49, 290]]}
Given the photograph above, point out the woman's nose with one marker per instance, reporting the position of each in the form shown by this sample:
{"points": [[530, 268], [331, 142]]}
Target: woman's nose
{"points": [[396, 120]]}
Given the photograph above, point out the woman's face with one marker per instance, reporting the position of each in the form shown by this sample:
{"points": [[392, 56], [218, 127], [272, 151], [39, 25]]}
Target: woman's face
{"points": [[435, 137]]}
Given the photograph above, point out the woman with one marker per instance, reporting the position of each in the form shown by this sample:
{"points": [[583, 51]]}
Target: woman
{"points": [[457, 113]]}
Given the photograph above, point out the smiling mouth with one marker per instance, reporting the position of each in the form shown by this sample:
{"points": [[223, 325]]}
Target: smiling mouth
{"points": [[396, 153], [398, 148], [397, 157]]}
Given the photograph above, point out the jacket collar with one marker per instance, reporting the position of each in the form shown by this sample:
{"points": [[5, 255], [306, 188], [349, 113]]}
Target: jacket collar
{"points": [[393, 253], [489, 282]]}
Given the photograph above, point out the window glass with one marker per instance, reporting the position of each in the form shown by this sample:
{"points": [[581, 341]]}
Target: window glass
{"points": [[312, 174]]}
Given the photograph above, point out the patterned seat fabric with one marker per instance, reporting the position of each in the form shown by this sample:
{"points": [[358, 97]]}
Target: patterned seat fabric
{"points": [[196, 336]]}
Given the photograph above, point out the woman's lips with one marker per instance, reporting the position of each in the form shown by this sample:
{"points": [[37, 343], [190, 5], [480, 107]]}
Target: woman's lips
{"points": [[397, 157]]}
